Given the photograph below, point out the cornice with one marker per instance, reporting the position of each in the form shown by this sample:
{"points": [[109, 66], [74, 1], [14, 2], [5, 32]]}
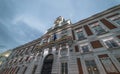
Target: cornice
{"points": [[97, 15], [71, 26]]}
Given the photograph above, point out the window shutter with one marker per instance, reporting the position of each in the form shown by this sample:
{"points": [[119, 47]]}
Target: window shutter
{"points": [[13, 72], [22, 52], [76, 48], [108, 24], [88, 31], [15, 61], [8, 72], [25, 68], [96, 44], [33, 48], [4, 71], [20, 59], [79, 66], [27, 58], [19, 52], [73, 34], [11, 62], [103, 55], [118, 36], [18, 68], [27, 49]]}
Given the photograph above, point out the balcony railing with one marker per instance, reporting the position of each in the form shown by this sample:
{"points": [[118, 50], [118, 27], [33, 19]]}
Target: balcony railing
{"points": [[56, 42]]}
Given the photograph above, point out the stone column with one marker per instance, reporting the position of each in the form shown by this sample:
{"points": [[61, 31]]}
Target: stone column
{"points": [[40, 63], [68, 49], [56, 63], [114, 60], [99, 65], [59, 55]]}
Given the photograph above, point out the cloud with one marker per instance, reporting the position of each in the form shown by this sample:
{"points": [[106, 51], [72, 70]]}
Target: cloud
{"points": [[17, 35], [31, 21], [22, 21]]}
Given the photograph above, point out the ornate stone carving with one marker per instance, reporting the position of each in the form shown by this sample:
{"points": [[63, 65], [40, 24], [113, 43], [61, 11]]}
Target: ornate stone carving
{"points": [[58, 21]]}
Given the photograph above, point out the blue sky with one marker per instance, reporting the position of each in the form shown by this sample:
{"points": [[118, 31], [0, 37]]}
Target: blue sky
{"points": [[22, 21]]}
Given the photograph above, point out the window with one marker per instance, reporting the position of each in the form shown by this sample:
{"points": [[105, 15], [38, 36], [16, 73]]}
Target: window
{"points": [[85, 48], [31, 47], [24, 70], [15, 60], [32, 50], [21, 52], [25, 51], [118, 58], [18, 68], [108, 24], [91, 67], [64, 33], [118, 36], [108, 64], [117, 21], [34, 69], [97, 28], [80, 34], [10, 62], [115, 18], [110, 43], [27, 58], [64, 68], [20, 60], [43, 41]]}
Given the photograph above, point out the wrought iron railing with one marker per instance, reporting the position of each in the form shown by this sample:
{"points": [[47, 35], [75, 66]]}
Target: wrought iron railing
{"points": [[56, 42]]}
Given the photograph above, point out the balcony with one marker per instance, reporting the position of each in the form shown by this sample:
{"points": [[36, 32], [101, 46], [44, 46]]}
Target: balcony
{"points": [[64, 39]]}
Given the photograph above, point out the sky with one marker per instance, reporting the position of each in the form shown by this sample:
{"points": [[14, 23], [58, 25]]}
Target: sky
{"points": [[22, 21]]}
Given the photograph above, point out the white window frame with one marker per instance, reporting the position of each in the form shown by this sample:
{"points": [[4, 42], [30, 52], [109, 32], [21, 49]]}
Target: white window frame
{"points": [[81, 45], [111, 38], [79, 30]]}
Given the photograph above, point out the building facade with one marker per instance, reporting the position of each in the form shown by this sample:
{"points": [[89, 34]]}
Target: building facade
{"points": [[4, 56], [90, 46]]}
